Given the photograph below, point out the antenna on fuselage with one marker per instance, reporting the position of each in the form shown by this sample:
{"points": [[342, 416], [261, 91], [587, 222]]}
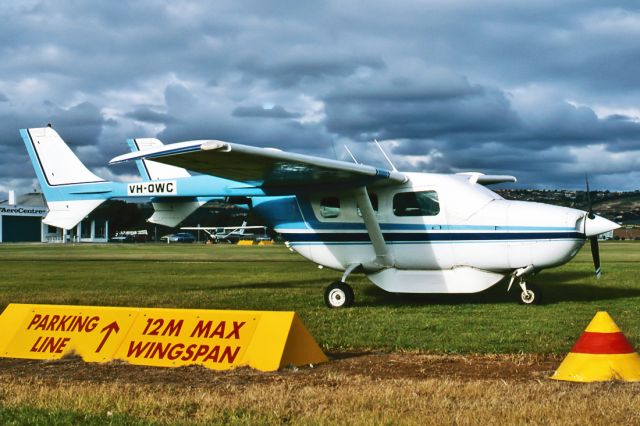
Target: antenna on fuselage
{"points": [[352, 156], [393, 168]]}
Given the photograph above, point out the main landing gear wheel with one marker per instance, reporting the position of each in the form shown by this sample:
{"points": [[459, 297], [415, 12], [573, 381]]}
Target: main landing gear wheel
{"points": [[531, 296], [338, 295]]}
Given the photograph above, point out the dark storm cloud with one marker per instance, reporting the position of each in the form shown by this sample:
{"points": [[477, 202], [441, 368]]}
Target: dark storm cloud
{"points": [[80, 126], [148, 115], [533, 89], [82, 123], [195, 118], [257, 111], [395, 108], [288, 71]]}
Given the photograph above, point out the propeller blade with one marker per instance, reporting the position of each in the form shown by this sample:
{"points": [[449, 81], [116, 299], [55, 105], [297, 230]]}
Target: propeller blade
{"points": [[595, 252], [590, 214]]}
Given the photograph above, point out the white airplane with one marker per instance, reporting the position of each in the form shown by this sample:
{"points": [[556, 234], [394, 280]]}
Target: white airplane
{"points": [[227, 233], [408, 232]]}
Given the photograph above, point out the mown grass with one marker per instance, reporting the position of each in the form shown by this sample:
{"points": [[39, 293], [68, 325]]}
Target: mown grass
{"points": [[227, 277], [272, 278], [28, 415], [342, 399]]}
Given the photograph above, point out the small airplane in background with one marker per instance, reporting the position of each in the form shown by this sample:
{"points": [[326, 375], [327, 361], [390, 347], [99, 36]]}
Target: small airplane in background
{"points": [[227, 233], [407, 232]]}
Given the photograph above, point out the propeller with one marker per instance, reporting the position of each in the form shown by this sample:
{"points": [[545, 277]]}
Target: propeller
{"points": [[595, 252], [595, 248]]}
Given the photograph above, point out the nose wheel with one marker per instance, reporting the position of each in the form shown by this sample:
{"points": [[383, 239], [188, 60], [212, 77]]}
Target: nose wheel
{"points": [[338, 295], [531, 295]]}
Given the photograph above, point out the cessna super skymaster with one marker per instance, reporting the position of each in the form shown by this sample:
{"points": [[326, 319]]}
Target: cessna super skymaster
{"points": [[408, 232]]}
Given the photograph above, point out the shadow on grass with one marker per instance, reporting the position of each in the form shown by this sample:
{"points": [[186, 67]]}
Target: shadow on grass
{"points": [[564, 288], [131, 259], [258, 285]]}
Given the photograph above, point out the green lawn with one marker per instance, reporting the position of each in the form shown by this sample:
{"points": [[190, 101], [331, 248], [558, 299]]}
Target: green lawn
{"points": [[272, 278], [26, 415]]}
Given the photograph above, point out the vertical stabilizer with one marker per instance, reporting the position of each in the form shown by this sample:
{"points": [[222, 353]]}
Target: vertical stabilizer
{"points": [[151, 170], [57, 163], [242, 227], [71, 190]]}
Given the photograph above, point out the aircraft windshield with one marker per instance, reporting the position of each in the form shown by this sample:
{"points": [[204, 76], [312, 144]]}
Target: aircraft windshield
{"points": [[422, 203]]}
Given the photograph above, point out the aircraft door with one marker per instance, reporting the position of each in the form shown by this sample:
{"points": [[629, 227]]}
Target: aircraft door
{"points": [[417, 229]]}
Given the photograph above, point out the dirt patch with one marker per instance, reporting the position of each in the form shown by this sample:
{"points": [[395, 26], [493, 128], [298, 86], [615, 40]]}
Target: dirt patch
{"points": [[376, 366]]}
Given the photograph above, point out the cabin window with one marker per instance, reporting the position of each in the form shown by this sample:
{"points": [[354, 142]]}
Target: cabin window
{"points": [[374, 203], [330, 207], [422, 203]]}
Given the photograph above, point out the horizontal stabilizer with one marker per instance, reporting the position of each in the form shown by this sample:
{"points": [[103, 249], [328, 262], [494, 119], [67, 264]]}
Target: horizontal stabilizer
{"points": [[172, 213], [67, 214]]}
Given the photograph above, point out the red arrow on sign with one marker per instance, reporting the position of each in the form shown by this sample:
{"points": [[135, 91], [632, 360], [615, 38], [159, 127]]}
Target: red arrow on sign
{"points": [[109, 329]]}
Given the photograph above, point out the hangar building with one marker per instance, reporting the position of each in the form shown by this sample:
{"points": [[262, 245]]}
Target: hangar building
{"points": [[21, 221]]}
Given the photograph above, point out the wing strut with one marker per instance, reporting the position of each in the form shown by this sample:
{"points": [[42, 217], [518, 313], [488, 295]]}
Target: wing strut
{"points": [[384, 258]]}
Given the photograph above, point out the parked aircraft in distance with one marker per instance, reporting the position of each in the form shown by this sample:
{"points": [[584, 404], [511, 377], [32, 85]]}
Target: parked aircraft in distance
{"points": [[229, 234], [408, 232]]}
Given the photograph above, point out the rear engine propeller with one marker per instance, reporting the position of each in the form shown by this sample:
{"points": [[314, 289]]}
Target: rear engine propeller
{"points": [[595, 249]]}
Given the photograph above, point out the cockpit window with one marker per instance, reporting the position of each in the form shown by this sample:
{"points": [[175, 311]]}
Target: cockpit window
{"points": [[422, 203], [330, 207]]}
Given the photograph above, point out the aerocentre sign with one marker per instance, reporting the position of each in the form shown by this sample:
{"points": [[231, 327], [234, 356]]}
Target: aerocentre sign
{"points": [[215, 339], [23, 211]]}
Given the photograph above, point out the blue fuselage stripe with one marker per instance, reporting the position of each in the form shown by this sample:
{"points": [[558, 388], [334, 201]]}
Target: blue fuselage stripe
{"points": [[402, 237]]}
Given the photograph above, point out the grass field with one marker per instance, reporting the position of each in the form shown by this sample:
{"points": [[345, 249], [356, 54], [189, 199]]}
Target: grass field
{"points": [[272, 278], [342, 399]]}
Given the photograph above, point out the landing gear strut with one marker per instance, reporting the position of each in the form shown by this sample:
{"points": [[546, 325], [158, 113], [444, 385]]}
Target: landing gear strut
{"points": [[338, 295], [531, 294]]}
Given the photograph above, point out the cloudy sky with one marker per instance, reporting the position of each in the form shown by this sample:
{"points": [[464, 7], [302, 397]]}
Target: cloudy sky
{"points": [[547, 91]]}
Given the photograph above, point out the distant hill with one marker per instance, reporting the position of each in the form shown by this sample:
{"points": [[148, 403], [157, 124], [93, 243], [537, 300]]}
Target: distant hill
{"points": [[622, 207]]}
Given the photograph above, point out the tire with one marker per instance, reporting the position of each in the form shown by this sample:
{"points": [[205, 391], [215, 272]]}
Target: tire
{"points": [[338, 295], [533, 296]]}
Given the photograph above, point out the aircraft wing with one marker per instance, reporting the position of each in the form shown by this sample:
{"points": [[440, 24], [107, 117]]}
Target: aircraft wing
{"points": [[268, 168], [482, 179]]}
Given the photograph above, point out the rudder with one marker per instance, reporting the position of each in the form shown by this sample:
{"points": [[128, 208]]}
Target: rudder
{"points": [[54, 159], [68, 185]]}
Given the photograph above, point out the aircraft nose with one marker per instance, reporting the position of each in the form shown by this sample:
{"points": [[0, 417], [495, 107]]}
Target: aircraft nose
{"points": [[598, 225]]}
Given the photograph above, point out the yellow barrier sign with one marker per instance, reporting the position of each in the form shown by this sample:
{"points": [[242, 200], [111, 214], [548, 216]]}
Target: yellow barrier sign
{"points": [[215, 339]]}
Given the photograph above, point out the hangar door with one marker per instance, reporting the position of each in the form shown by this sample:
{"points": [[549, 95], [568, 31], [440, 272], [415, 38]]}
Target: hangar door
{"points": [[21, 229]]}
